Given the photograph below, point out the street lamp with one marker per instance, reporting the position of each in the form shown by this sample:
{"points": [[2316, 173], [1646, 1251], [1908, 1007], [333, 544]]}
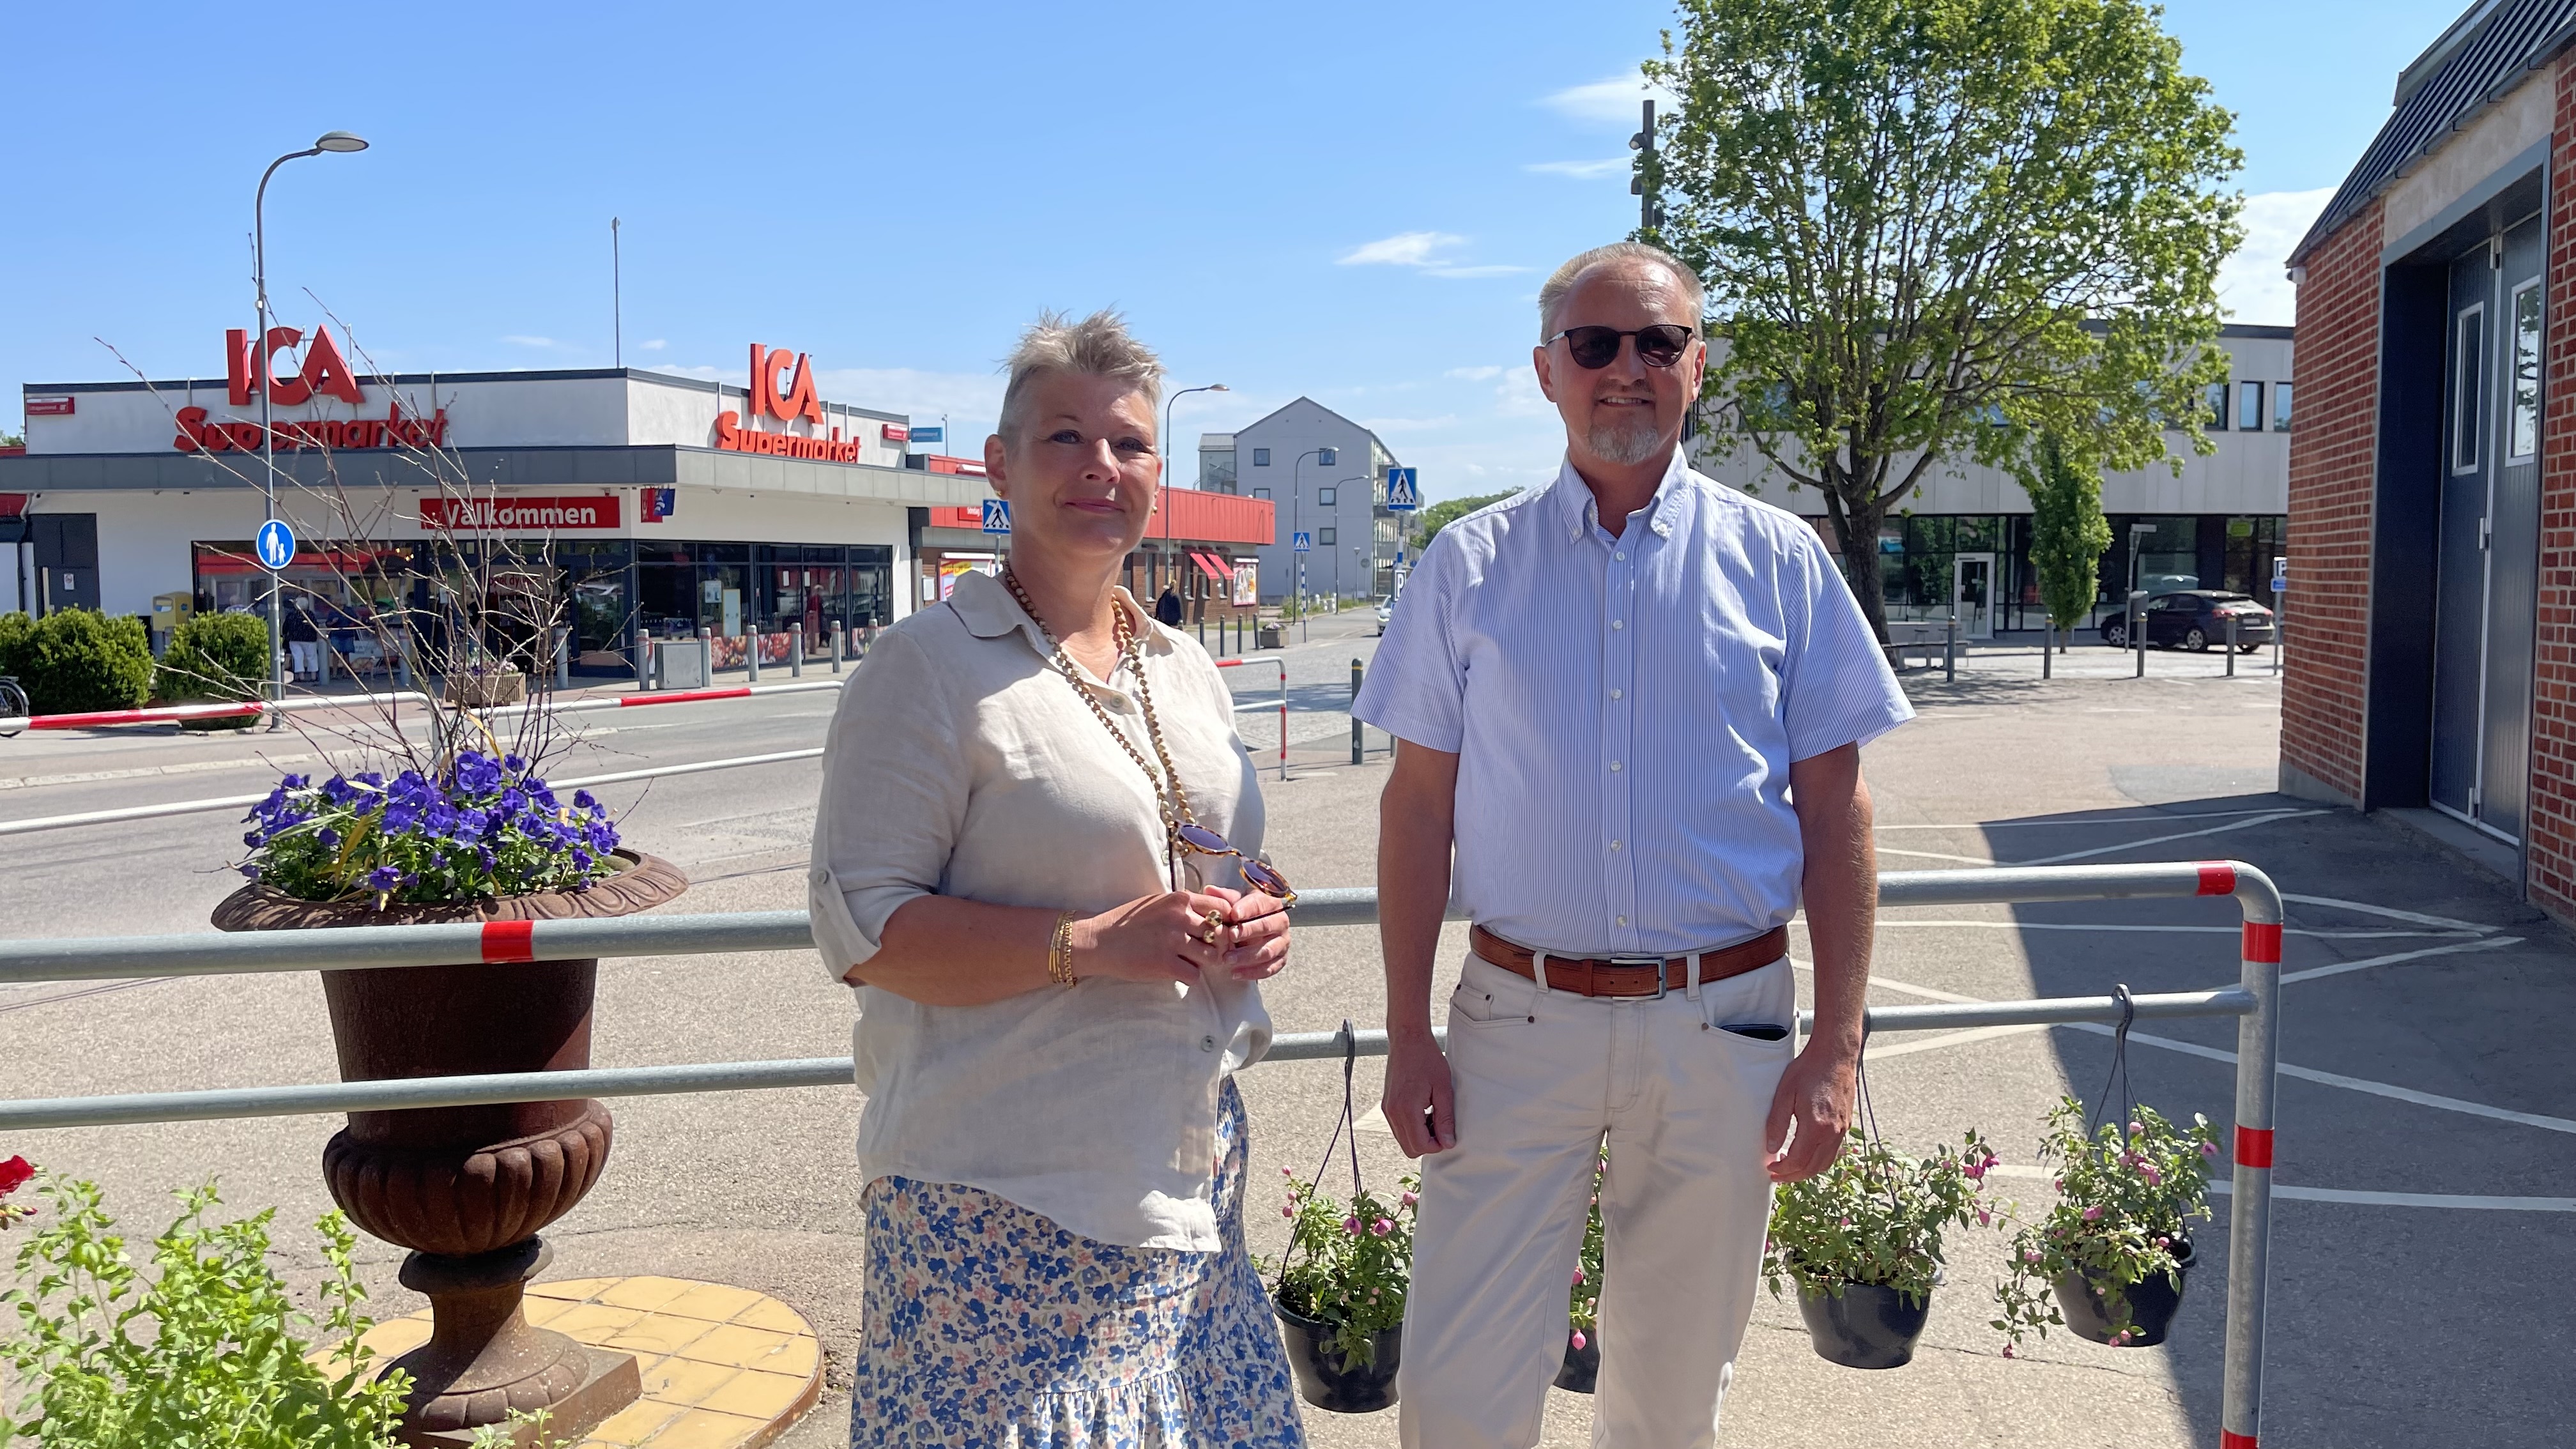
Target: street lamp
{"points": [[1324, 458], [334, 141], [1165, 485]]}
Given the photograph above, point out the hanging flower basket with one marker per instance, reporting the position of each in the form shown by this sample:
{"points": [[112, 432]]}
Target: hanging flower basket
{"points": [[1339, 1287], [1866, 1325], [2149, 1304]]}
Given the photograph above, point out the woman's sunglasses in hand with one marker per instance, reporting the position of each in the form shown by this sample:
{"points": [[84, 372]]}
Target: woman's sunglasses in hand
{"points": [[1597, 347], [1199, 840]]}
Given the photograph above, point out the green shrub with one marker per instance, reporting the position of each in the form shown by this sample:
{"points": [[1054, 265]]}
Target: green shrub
{"points": [[17, 643], [214, 657], [204, 1353], [80, 660]]}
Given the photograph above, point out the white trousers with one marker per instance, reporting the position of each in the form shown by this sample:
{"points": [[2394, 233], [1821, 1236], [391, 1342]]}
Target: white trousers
{"points": [[306, 656], [1540, 1078]]}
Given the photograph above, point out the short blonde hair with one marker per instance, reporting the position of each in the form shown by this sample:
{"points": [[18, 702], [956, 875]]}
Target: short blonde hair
{"points": [[1552, 295], [1097, 346]]}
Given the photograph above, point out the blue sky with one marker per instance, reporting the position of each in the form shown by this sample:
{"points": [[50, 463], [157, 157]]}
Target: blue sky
{"points": [[1354, 202]]}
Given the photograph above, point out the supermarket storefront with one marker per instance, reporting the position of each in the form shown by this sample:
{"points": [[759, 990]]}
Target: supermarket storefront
{"points": [[652, 501]]}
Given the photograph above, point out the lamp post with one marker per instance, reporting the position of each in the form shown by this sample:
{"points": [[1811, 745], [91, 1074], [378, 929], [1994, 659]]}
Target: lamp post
{"points": [[337, 141], [1165, 485], [1324, 458]]}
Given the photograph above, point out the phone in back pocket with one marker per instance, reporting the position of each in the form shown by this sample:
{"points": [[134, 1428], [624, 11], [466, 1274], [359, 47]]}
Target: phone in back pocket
{"points": [[1758, 1030]]}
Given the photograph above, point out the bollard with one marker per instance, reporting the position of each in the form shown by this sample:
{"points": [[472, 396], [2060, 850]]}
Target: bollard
{"points": [[2138, 629], [1950, 651], [837, 646], [2047, 648], [796, 654], [751, 655], [563, 658], [643, 660], [1357, 747], [2231, 646]]}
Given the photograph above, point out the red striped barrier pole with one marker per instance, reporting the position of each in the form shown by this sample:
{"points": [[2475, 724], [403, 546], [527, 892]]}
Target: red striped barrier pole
{"points": [[2249, 1222], [1282, 665]]}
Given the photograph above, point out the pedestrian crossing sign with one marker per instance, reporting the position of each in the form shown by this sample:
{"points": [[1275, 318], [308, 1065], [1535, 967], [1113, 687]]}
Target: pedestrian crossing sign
{"points": [[1403, 493], [1305, 542], [997, 515]]}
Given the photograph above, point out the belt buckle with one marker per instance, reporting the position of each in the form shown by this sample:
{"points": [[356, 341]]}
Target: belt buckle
{"points": [[1662, 986]]}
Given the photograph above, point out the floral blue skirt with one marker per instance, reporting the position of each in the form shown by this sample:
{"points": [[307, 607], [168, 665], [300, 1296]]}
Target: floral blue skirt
{"points": [[989, 1327]]}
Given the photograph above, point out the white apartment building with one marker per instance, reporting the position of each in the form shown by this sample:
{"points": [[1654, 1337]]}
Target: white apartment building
{"points": [[1326, 475]]}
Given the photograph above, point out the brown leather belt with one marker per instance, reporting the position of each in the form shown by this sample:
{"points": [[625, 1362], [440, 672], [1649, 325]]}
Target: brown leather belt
{"points": [[1616, 976]]}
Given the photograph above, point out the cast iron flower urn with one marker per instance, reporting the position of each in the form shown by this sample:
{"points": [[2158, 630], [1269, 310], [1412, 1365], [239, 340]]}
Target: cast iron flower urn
{"points": [[467, 1189]]}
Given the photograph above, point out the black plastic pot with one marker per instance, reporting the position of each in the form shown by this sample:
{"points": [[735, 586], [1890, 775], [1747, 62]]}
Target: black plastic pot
{"points": [[2152, 1303], [1325, 1379], [1582, 1365], [1868, 1327]]}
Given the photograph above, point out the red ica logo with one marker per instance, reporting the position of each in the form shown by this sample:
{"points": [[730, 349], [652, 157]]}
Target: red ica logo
{"points": [[247, 368], [788, 402]]}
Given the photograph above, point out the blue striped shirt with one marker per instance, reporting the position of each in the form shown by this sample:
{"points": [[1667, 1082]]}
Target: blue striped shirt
{"points": [[1625, 709]]}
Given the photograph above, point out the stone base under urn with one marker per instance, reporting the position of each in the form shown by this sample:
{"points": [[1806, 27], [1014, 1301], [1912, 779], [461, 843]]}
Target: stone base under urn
{"points": [[468, 1188]]}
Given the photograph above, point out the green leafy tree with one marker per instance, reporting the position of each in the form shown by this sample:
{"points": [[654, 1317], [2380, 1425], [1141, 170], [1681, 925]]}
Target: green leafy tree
{"points": [[79, 659], [1448, 511], [1933, 228], [2068, 534]]}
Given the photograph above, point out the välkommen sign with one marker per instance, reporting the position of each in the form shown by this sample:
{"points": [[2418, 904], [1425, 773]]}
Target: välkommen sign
{"points": [[517, 515]]}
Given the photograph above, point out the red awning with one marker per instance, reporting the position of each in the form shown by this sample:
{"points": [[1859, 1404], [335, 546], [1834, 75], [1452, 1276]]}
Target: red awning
{"points": [[1213, 567]]}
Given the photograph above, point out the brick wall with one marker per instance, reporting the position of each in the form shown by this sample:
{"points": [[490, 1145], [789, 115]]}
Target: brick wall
{"points": [[2550, 852], [2332, 467]]}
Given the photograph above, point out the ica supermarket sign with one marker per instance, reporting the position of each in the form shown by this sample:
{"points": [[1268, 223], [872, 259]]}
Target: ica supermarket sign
{"points": [[782, 387]]}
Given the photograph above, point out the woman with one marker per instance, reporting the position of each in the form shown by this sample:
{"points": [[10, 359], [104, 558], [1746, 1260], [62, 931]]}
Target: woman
{"points": [[1022, 859]]}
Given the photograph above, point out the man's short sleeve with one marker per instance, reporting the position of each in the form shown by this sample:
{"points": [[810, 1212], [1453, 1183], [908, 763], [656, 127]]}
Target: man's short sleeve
{"points": [[1416, 687], [1838, 690]]}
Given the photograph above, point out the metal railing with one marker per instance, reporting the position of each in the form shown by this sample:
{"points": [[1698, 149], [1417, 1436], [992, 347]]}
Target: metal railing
{"points": [[2253, 1001], [253, 708]]}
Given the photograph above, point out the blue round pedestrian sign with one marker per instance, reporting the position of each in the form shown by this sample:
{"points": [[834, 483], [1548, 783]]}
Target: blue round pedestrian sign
{"points": [[276, 544]]}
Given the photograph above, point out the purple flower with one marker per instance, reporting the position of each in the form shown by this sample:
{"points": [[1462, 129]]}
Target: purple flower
{"points": [[514, 764], [2209, 1149], [252, 837], [476, 773], [328, 838], [383, 878], [250, 872], [583, 800]]}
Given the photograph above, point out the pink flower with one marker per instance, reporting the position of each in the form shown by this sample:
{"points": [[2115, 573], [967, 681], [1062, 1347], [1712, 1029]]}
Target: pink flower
{"points": [[1984, 1218], [2137, 1129], [1351, 1225], [1578, 1277], [2030, 1255], [2164, 1242], [1976, 1171], [2209, 1149], [14, 1174], [1289, 1211], [2093, 1214], [1579, 1340], [2058, 1182], [1287, 1173], [2008, 1350], [2153, 1177], [1408, 1199], [1382, 1227]]}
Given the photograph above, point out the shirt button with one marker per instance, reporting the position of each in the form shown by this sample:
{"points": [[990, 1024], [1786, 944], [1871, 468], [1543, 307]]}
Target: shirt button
{"points": [[1623, 920], [1618, 694], [1614, 767], [1614, 845], [1621, 557], [1618, 623], [1207, 1043]]}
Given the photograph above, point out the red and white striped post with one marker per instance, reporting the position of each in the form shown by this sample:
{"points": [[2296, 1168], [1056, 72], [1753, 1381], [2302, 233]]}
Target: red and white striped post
{"points": [[1282, 665], [2249, 1221]]}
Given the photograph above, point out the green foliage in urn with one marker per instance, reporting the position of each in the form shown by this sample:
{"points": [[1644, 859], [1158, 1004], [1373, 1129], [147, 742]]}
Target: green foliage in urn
{"points": [[206, 1351], [1876, 1216], [1931, 229]]}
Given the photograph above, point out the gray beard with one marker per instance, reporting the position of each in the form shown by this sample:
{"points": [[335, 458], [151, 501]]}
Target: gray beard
{"points": [[1624, 443]]}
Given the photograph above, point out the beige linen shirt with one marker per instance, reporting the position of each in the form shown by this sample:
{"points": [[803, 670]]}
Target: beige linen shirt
{"points": [[962, 763]]}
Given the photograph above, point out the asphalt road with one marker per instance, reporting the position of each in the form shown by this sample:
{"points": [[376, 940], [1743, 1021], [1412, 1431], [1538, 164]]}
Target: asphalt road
{"points": [[2422, 1306]]}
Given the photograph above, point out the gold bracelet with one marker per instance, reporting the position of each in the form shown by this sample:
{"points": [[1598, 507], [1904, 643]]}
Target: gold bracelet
{"points": [[1060, 951]]}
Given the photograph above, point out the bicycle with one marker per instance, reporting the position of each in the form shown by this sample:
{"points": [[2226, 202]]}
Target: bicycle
{"points": [[14, 704]]}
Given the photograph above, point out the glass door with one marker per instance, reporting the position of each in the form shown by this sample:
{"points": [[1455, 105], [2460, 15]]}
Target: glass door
{"points": [[1972, 594]]}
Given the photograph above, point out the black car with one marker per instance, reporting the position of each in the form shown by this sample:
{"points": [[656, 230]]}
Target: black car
{"points": [[2195, 619]]}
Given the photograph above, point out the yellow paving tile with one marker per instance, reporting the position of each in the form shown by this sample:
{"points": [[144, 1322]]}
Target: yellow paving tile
{"points": [[742, 1348], [758, 1395], [685, 1381], [635, 1424], [714, 1302], [773, 1315], [657, 1333], [706, 1429], [593, 1322], [575, 1289], [542, 1311], [645, 1293]]}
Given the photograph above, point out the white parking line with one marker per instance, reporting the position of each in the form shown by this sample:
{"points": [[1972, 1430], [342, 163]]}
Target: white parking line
{"points": [[2076, 824], [2074, 855], [2389, 913], [2473, 1201], [2484, 943]]}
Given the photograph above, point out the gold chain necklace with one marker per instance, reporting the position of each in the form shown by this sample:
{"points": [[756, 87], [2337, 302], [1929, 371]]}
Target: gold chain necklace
{"points": [[1174, 802]]}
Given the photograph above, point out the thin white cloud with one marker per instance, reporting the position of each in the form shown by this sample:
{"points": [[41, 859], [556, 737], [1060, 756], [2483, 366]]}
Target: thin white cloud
{"points": [[656, 345], [1610, 102], [519, 340], [1583, 170], [1408, 425], [1474, 374], [1404, 249], [1518, 396], [2251, 284]]}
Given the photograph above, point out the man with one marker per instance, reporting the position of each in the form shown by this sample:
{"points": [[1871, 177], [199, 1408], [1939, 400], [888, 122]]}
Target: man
{"points": [[1167, 609], [1633, 702]]}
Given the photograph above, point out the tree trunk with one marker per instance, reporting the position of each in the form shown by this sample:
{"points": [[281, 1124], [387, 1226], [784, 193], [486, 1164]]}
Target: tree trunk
{"points": [[1856, 534]]}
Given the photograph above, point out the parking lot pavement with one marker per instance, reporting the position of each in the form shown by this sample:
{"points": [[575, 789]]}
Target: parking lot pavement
{"points": [[2425, 1111]]}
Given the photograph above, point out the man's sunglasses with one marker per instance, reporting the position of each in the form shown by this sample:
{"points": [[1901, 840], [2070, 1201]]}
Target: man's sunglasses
{"points": [[1200, 840], [1598, 347]]}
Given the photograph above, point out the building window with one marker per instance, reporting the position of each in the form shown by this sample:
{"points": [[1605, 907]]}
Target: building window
{"points": [[1325, 496], [2249, 407], [2280, 407], [2216, 406], [2468, 384], [1260, 492], [1324, 537], [2524, 437], [1261, 457]]}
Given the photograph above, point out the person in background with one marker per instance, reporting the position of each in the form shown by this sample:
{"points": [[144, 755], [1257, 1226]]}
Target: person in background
{"points": [[1022, 862], [1632, 702], [303, 641], [1167, 609]]}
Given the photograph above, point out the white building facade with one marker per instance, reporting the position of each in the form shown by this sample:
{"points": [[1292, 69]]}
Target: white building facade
{"points": [[668, 503], [1963, 541], [1339, 506]]}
